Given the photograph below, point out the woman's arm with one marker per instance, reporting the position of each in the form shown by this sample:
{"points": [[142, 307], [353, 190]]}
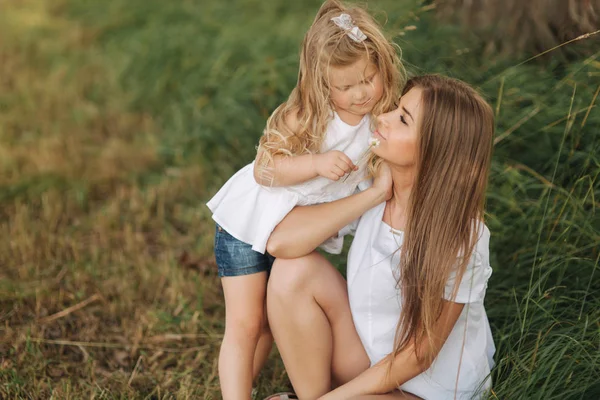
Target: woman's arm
{"points": [[380, 379], [306, 227]]}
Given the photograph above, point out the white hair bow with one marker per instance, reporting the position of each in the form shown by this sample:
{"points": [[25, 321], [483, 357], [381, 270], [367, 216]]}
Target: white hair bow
{"points": [[345, 22]]}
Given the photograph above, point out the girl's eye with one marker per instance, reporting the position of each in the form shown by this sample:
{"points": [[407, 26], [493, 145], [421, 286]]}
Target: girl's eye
{"points": [[403, 120]]}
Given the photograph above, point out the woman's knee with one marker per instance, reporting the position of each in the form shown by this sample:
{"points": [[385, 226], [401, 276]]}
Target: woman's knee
{"points": [[293, 275]]}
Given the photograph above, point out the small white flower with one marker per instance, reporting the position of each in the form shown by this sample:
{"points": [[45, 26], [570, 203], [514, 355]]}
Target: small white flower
{"points": [[374, 142]]}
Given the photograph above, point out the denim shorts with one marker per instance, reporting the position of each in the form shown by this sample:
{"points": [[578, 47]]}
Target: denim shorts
{"points": [[235, 258]]}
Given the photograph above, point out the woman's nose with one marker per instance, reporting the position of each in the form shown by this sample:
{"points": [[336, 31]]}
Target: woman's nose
{"points": [[382, 120]]}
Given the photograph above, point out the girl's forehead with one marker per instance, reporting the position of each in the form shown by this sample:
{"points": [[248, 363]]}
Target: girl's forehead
{"points": [[351, 74]]}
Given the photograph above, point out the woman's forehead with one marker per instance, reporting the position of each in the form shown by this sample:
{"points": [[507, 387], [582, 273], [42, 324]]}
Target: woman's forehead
{"points": [[413, 96], [411, 100]]}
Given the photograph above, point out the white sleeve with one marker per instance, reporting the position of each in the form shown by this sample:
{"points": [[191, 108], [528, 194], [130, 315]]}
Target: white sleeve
{"points": [[335, 244], [473, 283], [349, 229], [364, 184]]}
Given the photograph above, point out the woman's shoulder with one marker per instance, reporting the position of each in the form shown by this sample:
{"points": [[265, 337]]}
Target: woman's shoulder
{"points": [[483, 237], [481, 250]]}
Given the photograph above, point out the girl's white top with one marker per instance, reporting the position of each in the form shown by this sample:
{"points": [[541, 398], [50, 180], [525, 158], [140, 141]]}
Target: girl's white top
{"points": [[250, 212], [463, 365]]}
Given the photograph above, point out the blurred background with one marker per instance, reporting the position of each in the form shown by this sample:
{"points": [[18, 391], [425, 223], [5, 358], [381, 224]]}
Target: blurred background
{"points": [[120, 118]]}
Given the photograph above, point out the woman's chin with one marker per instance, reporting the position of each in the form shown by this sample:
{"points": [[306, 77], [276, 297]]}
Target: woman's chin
{"points": [[377, 151]]}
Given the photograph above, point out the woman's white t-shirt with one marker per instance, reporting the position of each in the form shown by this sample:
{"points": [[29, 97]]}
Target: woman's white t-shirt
{"points": [[462, 367], [249, 212]]}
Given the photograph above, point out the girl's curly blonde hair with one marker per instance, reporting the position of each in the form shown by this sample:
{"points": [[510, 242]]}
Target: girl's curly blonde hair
{"points": [[326, 45]]}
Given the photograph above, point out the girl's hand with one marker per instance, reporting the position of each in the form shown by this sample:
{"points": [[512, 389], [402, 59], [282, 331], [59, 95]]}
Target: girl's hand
{"points": [[383, 181], [333, 164]]}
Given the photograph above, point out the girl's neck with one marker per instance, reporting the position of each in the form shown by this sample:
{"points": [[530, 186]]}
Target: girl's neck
{"points": [[349, 118]]}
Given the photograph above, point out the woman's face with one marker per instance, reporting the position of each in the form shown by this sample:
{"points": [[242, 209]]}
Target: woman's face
{"points": [[397, 131]]}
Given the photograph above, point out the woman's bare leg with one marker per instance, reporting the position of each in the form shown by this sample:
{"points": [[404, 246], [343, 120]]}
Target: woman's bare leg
{"points": [[397, 395], [309, 315]]}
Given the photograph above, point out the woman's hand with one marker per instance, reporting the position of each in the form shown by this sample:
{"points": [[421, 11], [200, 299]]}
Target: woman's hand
{"points": [[383, 181]]}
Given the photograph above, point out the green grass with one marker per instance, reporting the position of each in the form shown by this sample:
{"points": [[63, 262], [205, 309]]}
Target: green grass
{"points": [[118, 119]]}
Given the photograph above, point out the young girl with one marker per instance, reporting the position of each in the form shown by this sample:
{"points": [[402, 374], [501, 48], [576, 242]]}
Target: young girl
{"points": [[312, 151], [410, 321]]}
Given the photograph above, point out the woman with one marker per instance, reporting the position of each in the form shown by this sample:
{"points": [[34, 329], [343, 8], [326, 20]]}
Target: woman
{"points": [[410, 321]]}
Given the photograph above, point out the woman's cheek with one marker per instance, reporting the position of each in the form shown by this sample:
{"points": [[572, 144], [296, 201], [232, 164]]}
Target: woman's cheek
{"points": [[409, 151], [400, 151]]}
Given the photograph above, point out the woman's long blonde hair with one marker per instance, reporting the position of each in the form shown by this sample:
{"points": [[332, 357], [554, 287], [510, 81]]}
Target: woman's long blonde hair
{"points": [[325, 45], [447, 201]]}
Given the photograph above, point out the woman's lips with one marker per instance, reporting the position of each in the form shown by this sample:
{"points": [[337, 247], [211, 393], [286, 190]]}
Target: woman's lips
{"points": [[378, 135]]}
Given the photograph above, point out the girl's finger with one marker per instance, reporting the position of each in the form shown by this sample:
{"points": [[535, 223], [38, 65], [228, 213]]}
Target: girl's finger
{"points": [[344, 166], [339, 171], [346, 160]]}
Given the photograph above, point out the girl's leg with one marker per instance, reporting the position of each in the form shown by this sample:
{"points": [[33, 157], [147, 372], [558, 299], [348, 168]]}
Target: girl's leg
{"points": [[244, 321], [309, 315], [263, 348]]}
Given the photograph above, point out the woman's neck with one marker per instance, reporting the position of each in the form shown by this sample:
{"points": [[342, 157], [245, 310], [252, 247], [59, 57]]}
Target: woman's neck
{"points": [[395, 212], [403, 179]]}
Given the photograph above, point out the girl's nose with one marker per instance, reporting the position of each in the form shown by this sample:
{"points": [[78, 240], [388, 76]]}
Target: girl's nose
{"points": [[361, 95]]}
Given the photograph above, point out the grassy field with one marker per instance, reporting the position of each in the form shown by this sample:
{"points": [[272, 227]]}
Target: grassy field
{"points": [[118, 119]]}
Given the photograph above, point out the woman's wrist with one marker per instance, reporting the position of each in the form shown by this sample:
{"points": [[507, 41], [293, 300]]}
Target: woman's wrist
{"points": [[378, 195]]}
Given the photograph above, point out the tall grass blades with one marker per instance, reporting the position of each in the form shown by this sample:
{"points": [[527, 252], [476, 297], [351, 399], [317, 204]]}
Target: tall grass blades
{"points": [[119, 119]]}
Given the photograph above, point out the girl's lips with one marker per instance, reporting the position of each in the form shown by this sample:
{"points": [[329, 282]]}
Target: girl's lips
{"points": [[363, 104]]}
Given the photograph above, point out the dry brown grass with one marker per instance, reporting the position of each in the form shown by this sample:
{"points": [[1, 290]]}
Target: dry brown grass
{"points": [[109, 126], [107, 286]]}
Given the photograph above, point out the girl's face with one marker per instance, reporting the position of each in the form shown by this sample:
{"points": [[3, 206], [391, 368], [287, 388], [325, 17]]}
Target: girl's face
{"points": [[355, 89], [398, 131]]}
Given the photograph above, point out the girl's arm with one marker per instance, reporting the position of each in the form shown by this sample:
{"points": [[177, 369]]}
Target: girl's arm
{"points": [[284, 170], [306, 227], [291, 170], [380, 379]]}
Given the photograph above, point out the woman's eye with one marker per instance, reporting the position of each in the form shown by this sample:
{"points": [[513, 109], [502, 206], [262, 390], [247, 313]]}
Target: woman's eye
{"points": [[403, 120]]}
